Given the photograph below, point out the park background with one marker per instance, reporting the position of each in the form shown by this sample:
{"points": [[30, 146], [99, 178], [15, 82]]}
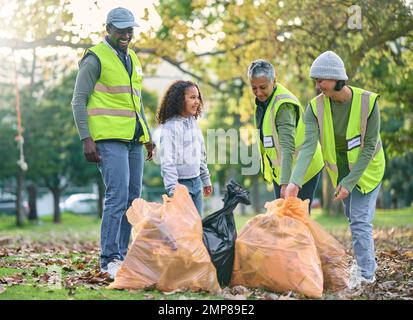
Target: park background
{"points": [[211, 43]]}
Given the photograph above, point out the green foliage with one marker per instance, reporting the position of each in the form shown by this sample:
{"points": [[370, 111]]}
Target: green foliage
{"points": [[8, 147], [290, 34], [53, 134], [399, 187]]}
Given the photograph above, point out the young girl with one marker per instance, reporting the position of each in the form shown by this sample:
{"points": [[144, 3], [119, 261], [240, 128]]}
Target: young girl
{"points": [[182, 149]]}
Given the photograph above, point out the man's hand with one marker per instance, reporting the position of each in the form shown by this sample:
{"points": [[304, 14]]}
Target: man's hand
{"points": [[341, 193], [282, 192], [90, 151], [291, 190], [150, 147], [207, 191]]}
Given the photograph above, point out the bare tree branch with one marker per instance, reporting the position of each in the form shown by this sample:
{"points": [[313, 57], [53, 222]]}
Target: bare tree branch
{"points": [[51, 40]]}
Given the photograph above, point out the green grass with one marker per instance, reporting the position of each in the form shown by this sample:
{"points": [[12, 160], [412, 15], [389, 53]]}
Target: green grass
{"points": [[30, 292], [78, 227], [81, 228]]}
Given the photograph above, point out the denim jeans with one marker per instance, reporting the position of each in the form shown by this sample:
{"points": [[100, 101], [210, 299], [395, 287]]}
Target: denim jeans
{"points": [[306, 192], [121, 167], [359, 210], [195, 189]]}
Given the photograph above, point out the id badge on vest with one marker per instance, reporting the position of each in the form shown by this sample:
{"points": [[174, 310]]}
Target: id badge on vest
{"points": [[353, 143], [268, 142]]}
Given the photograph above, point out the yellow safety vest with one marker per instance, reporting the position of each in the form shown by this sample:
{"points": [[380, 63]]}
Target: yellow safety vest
{"points": [[361, 107], [270, 149], [116, 99]]}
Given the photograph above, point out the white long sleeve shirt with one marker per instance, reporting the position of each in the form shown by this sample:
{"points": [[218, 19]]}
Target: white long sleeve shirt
{"points": [[182, 152]]}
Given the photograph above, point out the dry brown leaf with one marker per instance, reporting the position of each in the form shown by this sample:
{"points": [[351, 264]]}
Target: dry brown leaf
{"points": [[2, 288]]}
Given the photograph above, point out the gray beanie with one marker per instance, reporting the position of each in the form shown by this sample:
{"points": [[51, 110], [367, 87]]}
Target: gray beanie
{"points": [[328, 65]]}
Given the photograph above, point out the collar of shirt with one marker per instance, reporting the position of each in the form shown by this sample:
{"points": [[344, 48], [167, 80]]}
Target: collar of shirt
{"points": [[115, 50]]}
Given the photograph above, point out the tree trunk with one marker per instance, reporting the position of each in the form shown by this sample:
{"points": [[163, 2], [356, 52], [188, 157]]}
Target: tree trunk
{"points": [[101, 199], [56, 199], [326, 193], [256, 195], [20, 214], [32, 190], [330, 207], [243, 209]]}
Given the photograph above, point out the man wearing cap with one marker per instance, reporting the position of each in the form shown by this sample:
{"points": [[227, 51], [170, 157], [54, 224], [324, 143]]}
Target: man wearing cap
{"points": [[346, 121], [110, 118]]}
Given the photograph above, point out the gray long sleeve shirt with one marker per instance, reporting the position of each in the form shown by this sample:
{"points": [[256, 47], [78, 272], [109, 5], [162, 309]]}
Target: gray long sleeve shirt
{"points": [[182, 152], [89, 73], [340, 114]]}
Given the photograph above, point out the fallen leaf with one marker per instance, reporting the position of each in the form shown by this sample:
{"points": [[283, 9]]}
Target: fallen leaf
{"points": [[240, 290], [234, 297], [286, 298], [408, 254], [4, 241], [387, 285], [270, 296], [148, 296], [2, 289]]}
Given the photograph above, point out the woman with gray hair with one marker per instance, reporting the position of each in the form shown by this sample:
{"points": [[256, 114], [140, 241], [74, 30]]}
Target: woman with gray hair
{"points": [[346, 120], [278, 119]]}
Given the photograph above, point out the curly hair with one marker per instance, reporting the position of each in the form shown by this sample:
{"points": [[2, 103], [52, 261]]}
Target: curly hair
{"points": [[173, 102]]}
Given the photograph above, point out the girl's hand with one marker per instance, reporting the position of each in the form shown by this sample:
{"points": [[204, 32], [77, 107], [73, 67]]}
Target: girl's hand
{"points": [[150, 147], [207, 191]]}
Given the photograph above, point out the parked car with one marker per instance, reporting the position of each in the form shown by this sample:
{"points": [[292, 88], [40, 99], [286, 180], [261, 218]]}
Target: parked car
{"points": [[81, 203], [8, 204]]}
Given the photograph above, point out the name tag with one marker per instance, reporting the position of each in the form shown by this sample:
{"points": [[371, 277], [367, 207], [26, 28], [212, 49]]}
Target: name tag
{"points": [[352, 143], [139, 71], [268, 142]]}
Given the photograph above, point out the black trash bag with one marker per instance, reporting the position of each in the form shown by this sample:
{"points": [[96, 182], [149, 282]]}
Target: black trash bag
{"points": [[220, 232]]}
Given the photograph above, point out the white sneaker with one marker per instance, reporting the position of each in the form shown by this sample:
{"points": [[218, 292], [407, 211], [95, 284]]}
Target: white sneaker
{"points": [[367, 281], [356, 280], [112, 268]]}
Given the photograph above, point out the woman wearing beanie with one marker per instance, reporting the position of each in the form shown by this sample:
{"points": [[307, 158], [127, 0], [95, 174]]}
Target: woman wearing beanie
{"points": [[278, 117], [346, 121]]}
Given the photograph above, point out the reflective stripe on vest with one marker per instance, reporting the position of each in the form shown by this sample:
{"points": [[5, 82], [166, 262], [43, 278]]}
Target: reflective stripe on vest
{"points": [[277, 160], [111, 112], [117, 89], [362, 103]]}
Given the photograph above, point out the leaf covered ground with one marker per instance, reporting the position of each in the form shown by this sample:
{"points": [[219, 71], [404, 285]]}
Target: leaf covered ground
{"points": [[66, 267]]}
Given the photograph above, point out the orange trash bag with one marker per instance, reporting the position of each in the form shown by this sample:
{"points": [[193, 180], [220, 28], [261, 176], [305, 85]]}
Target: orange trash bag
{"points": [[332, 254], [277, 253], [167, 251]]}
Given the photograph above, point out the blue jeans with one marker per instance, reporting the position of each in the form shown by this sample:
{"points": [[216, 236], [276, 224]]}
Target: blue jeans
{"points": [[306, 192], [359, 210], [121, 167], [195, 189]]}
